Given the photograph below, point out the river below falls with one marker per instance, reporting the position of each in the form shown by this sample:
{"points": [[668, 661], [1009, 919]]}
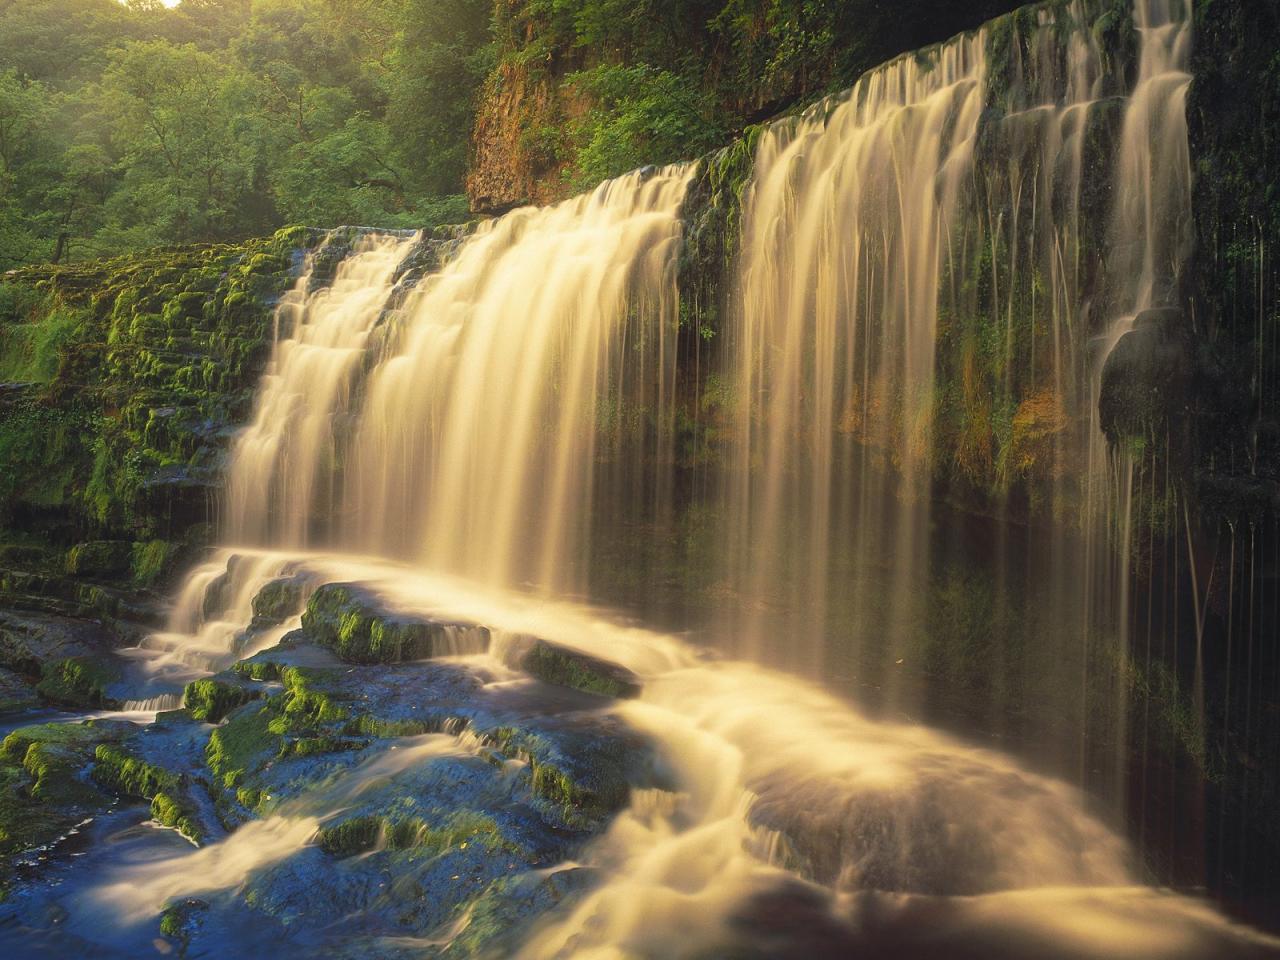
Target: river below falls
{"points": [[792, 825]]}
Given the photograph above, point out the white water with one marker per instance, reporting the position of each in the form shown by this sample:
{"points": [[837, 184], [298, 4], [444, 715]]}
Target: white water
{"points": [[133, 895], [279, 474]]}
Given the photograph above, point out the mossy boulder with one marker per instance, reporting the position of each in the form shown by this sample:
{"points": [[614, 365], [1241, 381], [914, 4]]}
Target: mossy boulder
{"points": [[278, 600], [354, 623], [119, 769], [79, 681], [566, 667], [100, 558], [211, 699], [44, 793]]}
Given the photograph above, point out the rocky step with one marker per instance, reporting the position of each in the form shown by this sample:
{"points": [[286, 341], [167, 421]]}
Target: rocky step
{"points": [[357, 625], [564, 666]]}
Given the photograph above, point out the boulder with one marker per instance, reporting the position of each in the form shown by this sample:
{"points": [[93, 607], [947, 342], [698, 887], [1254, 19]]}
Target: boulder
{"points": [[100, 558], [1146, 379], [354, 623], [278, 601], [564, 666]]}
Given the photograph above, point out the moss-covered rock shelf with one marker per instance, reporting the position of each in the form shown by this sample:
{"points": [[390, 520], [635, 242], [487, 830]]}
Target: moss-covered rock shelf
{"points": [[123, 379]]}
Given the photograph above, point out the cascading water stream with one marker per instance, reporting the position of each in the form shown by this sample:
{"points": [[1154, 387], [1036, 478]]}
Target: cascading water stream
{"points": [[921, 318], [278, 479], [555, 324]]}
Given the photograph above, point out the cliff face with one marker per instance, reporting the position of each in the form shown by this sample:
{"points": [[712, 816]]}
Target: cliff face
{"points": [[519, 124], [678, 79], [1234, 113], [124, 380]]}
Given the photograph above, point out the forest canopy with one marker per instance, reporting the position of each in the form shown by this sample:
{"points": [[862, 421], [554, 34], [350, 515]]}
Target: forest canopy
{"points": [[125, 125], [129, 125]]}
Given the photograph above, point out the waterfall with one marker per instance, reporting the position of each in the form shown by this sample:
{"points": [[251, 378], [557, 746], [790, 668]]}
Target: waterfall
{"points": [[458, 423], [932, 274], [455, 420], [544, 347], [847, 228], [277, 477]]}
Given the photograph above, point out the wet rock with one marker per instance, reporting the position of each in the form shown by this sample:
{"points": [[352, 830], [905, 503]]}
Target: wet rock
{"points": [[79, 681], [172, 795], [181, 920], [211, 699], [16, 694], [44, 793], [563, 666], [277, 601], [1146, 379], [100, 559], [354, 623]]}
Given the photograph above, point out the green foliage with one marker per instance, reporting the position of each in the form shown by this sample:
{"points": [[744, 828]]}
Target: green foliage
{"points": [[29, 352], [124, 126], [130, 365], [642, 115], [638, 83]]}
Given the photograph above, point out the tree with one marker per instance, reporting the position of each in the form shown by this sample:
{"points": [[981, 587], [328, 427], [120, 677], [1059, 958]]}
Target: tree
{"points": [[188, 140], [440, 60]]}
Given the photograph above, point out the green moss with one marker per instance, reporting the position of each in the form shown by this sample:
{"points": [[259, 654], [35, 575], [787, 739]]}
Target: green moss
{"points": [[277, 601], [120, 770], [172, 922], [249, 798], [569, 668], [42, 793], [348, 620], [180, 920], [371, 726], [353, 836], [100, 558], [137, 362], [30, 352], [77, 681], [150, 561], [83, 735], [262, 670], [459, 831], [174, 812], [240, 745], [304, 714], [312, 746], [210, 700]]}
